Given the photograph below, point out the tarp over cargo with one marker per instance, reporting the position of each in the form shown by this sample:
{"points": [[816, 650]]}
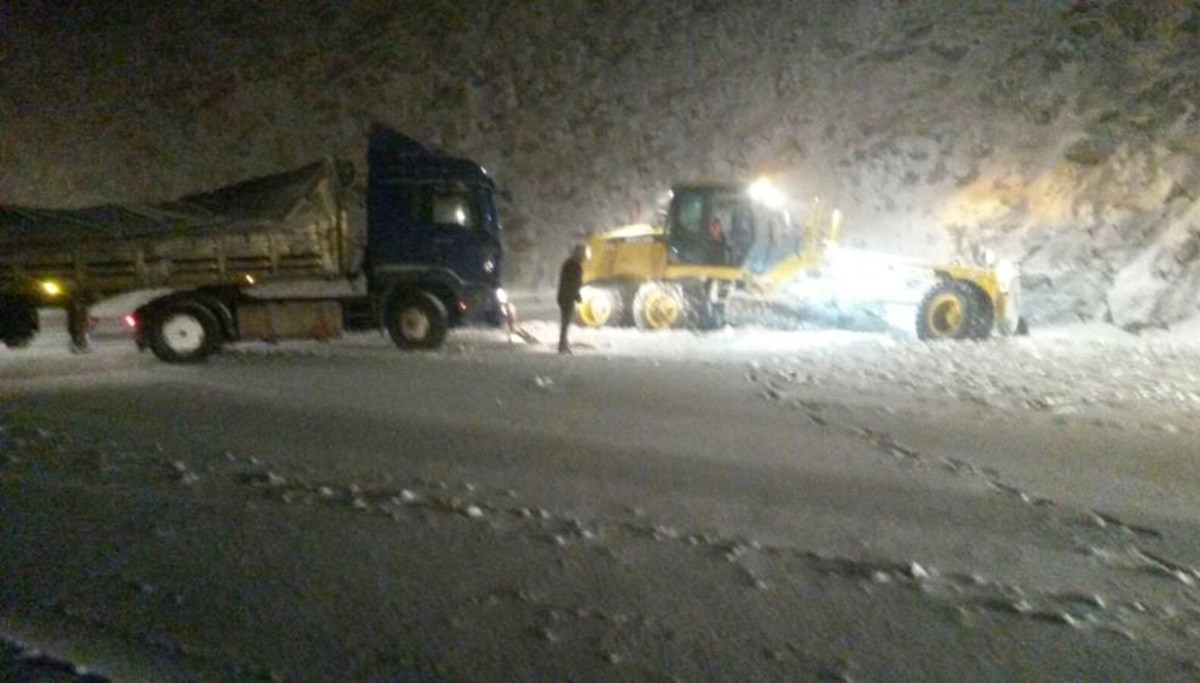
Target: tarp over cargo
{"points": [[248, 206], [292, 225]]}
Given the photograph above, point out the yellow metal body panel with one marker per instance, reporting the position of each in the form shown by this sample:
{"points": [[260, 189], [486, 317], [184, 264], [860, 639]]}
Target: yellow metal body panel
{"points": [[684, 272], [635, 253], [641, 258], [782, 273]]}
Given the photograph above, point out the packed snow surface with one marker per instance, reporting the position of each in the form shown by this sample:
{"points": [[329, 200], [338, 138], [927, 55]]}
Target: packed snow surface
{"points": [[742, 504]]}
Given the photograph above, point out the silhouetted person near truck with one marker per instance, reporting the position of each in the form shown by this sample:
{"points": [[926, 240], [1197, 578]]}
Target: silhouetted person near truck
{"points": [[78, 323], [570, 281]]}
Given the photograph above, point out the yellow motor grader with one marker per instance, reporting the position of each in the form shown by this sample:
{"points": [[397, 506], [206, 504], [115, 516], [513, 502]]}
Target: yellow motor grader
{"points": [[723, 242]]}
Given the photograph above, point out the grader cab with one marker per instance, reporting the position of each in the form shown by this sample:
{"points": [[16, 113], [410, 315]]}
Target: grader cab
{"points": [[724, 242]]}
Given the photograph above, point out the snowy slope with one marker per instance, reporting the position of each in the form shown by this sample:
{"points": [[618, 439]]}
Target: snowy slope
{"points": [[1060, 133]]}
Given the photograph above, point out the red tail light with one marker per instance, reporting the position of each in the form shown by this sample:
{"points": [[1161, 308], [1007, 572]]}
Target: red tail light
{"points": [[131, 321]]}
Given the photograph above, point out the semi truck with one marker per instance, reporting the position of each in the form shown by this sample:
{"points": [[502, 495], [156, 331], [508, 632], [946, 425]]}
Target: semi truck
{"points": [[299, 254]]}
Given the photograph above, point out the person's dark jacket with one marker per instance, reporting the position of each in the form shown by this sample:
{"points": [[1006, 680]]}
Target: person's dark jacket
{"points": [[570, 281]]}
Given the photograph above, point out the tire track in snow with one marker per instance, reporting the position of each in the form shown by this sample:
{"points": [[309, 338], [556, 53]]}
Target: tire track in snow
{"points": [[1127, 556], [761, 567]]}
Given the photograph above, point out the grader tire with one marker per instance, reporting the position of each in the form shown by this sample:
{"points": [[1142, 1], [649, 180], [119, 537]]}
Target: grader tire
{"points": [[954, 310], [601, 306], [659, 306]]}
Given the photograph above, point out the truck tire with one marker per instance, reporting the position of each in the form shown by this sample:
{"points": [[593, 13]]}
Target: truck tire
{"points": [[18, 341], [601, 306], [184, 332], [659, 306], [953, 310], [417, 320], [18, 321]]}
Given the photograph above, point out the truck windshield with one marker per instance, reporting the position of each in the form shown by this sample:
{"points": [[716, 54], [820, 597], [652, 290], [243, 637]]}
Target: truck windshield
{"points": [[450, 206], [455, 206]]}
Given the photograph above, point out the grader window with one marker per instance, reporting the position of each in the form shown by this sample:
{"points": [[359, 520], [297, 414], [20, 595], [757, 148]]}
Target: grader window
{"points": [[701, 223], [776, 238], [689, 216]]}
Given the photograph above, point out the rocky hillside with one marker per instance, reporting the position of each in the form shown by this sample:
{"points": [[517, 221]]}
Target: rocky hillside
{"points": [[1063, 134]]}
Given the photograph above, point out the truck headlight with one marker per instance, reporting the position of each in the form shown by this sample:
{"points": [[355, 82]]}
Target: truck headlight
{"points": [[51, 288], [501, 296]]}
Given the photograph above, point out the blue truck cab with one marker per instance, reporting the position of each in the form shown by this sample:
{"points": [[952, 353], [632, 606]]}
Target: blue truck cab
{"points": [[432, 231]]}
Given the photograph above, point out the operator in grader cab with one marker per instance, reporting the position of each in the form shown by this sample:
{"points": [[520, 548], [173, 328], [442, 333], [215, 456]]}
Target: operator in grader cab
{"points": [[698, 243]]}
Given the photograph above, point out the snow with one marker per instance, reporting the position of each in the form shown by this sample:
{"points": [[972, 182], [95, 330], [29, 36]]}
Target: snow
{"points": [[1188, 329], [788, 501]]}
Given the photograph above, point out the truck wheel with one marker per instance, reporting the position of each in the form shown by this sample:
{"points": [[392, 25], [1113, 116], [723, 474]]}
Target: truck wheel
{"points": [[658, 306], [417, 321], [18, 321], [953, 310], [183, 333], [19, 341], [600, 306]]}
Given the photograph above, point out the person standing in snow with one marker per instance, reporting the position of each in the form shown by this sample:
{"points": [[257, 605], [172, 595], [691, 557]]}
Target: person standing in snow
{"points": [[570, 281], [78, 323]]}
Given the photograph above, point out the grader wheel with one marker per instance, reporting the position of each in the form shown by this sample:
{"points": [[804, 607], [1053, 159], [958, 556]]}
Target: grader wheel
{"points": [[658, 306], [600, 306], [954, 310]]}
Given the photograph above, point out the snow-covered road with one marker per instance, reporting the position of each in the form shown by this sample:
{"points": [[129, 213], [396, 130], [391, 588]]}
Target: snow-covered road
{"points": [[748, 504]]}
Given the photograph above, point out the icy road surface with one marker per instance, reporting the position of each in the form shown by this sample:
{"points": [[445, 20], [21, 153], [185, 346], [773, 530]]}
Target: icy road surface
{"points": [[743, 505]]}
